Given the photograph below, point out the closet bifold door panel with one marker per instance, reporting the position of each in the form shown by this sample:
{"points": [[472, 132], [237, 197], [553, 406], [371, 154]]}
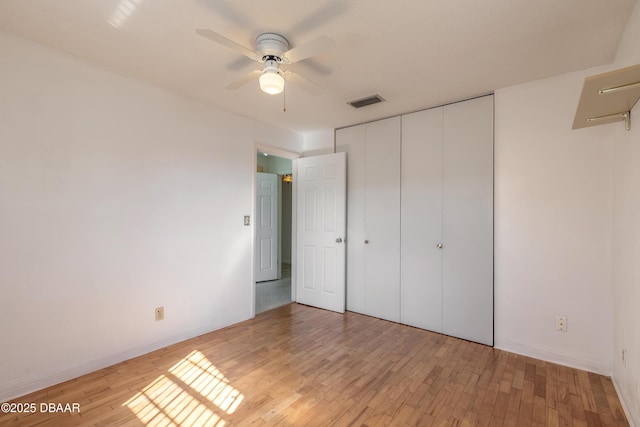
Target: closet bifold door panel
{"points": [[421, 219], [351, 140], [382, 220], [373, 217], [467, 212]]}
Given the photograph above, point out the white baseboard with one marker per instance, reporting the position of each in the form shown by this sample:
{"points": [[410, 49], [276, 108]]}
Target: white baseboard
{"points": [[586, 365], [66, 373], [625, 408]]}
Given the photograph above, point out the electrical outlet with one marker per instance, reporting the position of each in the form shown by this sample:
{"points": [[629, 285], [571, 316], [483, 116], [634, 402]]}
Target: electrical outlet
{"points": [[159, 313], [561, 323], [624, 357], [247, 220]]}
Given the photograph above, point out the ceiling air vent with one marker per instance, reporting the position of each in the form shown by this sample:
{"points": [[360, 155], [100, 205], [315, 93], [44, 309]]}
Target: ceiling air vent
{"points": [[369, 100]]}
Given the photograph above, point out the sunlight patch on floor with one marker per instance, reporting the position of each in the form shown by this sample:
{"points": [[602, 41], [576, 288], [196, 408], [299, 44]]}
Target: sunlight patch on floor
{"points": [[193, 392]]}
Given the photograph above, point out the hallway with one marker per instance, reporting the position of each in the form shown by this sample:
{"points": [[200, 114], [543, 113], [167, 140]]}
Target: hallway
{"points": [[274, 293]]}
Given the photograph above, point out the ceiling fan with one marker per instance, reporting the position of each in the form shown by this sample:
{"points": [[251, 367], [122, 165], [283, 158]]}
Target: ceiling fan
{"points": [[272, 50]]}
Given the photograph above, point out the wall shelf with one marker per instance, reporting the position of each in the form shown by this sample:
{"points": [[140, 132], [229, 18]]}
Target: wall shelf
{"points": [[608, 97]]}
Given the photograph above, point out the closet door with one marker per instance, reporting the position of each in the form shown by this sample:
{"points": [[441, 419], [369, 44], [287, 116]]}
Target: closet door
{"points": [[421, 220], [381, 242], [468, 220], [351, 140], [373, 217]]}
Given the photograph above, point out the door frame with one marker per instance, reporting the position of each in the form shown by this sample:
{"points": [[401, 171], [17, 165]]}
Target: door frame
{"points": [[260, 147]]}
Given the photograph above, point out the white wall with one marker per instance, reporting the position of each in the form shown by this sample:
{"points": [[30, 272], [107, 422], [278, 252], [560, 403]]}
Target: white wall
{"points": [[115, 197], [626, 257], [626, 239], [319, 142], [553, 216]]}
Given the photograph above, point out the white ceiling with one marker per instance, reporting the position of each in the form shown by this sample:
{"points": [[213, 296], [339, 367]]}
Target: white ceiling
{"points": [[414, 53]]}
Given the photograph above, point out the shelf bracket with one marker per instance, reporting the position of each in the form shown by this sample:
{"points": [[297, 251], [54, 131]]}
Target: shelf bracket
{"points": [[626, 116], [615, 89], [608, 97]]}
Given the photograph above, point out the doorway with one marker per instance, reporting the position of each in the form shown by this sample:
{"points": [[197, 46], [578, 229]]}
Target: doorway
{"points": [[273, 213]]}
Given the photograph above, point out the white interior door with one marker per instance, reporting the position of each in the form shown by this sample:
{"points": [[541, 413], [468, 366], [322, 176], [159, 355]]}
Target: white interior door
{"points": [[266, 227], [321, 210]]}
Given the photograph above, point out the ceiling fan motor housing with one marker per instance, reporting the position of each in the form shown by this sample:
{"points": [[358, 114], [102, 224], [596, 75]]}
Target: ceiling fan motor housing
{"points": [[271, 65], [271, 46]]}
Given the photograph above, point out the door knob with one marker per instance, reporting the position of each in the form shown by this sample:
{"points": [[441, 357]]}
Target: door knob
{"points": [[366, 242], [439, 246], [339, 240]]}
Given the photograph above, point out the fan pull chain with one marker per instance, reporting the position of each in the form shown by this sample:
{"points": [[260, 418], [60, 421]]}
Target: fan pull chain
{"points": [[284, 98]]}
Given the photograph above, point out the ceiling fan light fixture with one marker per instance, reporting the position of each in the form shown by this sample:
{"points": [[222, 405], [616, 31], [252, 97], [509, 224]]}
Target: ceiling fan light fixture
{"points": [[272, 50], [271, 82]]}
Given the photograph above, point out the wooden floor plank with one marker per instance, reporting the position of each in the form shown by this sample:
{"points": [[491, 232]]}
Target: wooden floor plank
{"points": [[301, 366]]}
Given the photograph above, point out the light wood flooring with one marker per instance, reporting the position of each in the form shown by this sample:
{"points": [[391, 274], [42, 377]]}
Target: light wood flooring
{"points": [[301, 366]]}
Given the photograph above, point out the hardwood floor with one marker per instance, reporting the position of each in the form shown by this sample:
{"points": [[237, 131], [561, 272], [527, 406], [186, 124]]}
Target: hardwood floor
{"points": [[300, 366]]}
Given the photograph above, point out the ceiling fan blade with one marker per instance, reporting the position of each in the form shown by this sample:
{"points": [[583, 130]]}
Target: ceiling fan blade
{"points": [[321, 16], [308, 49], [251, 75], [317, 66], [239, 64], [305, 84], [229, 44], [229, 12]]}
